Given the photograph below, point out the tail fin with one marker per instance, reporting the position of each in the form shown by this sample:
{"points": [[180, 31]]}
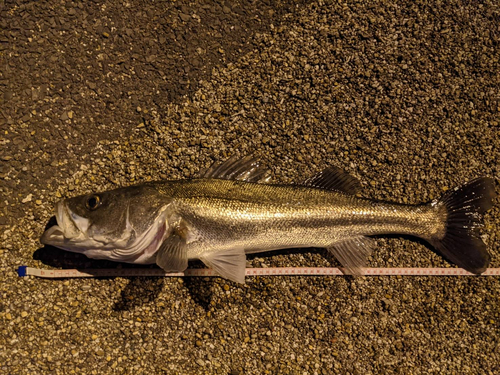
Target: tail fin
{"points": [[465, 205]]}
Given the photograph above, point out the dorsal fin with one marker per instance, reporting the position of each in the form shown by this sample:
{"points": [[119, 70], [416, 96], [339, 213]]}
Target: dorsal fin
{"points": [[333, 178], [247, 169]]}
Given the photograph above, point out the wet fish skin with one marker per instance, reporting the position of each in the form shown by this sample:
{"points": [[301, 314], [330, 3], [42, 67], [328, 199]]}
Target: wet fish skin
{"points": [[267, 217], [230, 213]]}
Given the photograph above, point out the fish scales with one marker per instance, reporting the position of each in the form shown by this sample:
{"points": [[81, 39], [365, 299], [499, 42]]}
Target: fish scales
{"points": [[267, 217]]}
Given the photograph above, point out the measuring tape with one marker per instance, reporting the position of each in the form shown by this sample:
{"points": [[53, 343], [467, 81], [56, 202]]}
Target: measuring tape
{"points": [[271, 271]]}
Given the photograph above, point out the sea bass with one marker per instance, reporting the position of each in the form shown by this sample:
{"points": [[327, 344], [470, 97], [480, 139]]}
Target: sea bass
{"points": [[233, 210]]}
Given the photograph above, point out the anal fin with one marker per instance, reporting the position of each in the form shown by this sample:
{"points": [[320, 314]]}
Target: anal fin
{"points": [[353, 253], [228, 264]]}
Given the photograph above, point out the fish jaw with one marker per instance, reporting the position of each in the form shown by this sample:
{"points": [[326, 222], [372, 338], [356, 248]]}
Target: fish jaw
{"points": [[70, 231]]}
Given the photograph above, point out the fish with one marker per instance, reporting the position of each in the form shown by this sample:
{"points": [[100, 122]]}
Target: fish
{"points": [[232, 209]]}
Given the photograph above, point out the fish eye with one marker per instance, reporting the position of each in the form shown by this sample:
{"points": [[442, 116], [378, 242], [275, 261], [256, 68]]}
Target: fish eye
{"points": [[93, 202]]}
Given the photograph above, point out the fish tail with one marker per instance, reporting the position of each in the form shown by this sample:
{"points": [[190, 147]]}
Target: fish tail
{"points": [[461, 242]]}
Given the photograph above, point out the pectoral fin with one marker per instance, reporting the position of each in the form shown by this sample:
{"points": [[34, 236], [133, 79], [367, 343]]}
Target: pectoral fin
{"points": [[172, 254], [353, 253], [228, 264]]}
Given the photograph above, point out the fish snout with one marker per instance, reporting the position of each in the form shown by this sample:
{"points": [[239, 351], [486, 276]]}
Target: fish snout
{"points": [[66, 227]]}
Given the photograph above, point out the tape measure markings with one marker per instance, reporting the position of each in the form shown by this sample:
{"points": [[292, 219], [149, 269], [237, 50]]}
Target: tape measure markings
{"points": [[271, 271]]}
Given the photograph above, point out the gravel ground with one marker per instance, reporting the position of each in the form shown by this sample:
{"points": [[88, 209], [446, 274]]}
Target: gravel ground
{"points": [[403, 95]]}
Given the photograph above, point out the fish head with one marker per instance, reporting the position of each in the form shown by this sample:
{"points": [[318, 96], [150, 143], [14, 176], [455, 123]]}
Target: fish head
{"points": [[125, 225]]}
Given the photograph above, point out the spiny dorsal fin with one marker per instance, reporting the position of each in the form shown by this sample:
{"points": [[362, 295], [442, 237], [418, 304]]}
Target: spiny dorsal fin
{"points": [[333, 178], [247, 169], [353, 253]]}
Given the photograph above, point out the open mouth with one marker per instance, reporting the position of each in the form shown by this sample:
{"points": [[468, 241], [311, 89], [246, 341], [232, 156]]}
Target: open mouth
{"points": [[53, 236], [65, 230]]}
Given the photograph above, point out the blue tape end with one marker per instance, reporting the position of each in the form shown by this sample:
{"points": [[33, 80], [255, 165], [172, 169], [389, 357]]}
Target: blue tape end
{"points": [[21, 271]]}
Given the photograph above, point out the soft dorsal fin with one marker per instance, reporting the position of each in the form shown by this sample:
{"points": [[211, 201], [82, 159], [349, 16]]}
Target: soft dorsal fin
{"points": [[248, 169], [333, 178]]}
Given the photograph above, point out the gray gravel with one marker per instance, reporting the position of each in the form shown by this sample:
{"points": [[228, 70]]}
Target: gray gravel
{"points": [[405, 96]]}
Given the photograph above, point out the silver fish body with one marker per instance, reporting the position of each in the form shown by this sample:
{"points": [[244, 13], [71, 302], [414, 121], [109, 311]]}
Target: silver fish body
{"points": [[224, 214], [230, 213]]}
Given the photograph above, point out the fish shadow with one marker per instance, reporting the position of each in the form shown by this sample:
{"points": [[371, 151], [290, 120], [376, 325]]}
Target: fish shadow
{"points": [[143, 290], [138, 292], [55, 257], [200, 289], [418, 240]]}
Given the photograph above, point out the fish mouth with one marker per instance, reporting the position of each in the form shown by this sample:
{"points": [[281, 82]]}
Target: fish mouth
{"points": [[70, 228], [52, 236]]}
